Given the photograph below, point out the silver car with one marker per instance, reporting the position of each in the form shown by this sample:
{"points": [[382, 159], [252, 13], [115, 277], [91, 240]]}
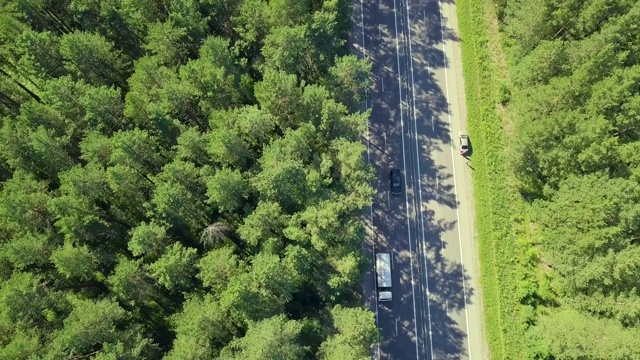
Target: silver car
{"points": [[464, 143]]}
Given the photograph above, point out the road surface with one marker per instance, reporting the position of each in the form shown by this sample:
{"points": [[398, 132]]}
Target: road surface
{"points": [[418, 108]]}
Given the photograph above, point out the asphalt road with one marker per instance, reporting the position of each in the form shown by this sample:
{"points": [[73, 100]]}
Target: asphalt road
{"points": [[418, 108]]}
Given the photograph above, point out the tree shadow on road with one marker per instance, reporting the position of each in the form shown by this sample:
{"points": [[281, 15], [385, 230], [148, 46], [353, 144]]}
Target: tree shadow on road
{"points": [[416, 118]]}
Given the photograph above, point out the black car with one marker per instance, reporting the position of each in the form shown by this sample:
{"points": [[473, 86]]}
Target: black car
{"points": [[395, 180]]}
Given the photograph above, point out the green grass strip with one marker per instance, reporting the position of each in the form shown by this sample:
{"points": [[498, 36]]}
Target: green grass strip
{"points": [[495, 199]]}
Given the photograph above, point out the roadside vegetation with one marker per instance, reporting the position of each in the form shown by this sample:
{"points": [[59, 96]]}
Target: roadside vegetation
{"points": [[555, 129], [181, 180], [495, 197]]}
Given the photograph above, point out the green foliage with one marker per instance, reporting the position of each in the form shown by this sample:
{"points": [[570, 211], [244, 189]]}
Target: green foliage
{"points": [[279, 95], [325, 44], [75, 262], [273, 338], [96, 148], [28, 250], [260, 293], [105, 66], [130, 282], [23, 301], [25, 344], [288, 12], [178, 178], [202, 329], [128, 188], [40, 54], [90, 324], [64, 95], [349, 79], [143, 101], [284, 184], [226, 147], [78, 216], [588, 229], [228, 190], [23, 204], [569, 334], [500, 214], [179, 198], [546, 61], [347, 275], [136, 149], [103, 109], [265, 222], [253, 125], [287, 49], [572, 146], [191, 146], [352, 328], [212, 77], [185, 14], [168, 43], [251, 23], [37, 151], [218, 266], [148, 240], [529, 23], [174, 269]]}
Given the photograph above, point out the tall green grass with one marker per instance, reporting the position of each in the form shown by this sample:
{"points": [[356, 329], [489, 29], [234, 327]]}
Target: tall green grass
{"points": [[503, 254]]}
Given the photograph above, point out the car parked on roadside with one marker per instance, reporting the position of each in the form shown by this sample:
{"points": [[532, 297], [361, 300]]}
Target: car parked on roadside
{"points": [[464, 143]]}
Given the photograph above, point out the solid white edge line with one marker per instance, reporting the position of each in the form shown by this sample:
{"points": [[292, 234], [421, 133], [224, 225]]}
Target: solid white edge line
{"points": [[419, 183], [375, 270], [455, 188], [364, 50], [404, 164], [396, 326], [366, 105]]}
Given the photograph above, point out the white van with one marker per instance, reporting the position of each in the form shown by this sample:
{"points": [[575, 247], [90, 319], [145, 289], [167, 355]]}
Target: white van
{"points": [[383, 269]]}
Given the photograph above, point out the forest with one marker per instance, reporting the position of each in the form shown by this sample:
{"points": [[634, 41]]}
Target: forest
{"points": [[183, 179], [574, 95]]}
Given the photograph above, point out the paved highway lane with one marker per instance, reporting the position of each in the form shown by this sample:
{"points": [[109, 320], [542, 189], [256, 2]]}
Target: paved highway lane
{"points": [[448, 251], [392, 218], [418, 108]]}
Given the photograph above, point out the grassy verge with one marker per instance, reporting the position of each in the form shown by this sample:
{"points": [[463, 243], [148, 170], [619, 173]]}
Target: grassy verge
{"points": [[507, 257]]}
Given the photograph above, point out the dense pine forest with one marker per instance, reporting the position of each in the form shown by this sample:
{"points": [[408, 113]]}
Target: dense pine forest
{"points": [[574, 95], [183, 179]]}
